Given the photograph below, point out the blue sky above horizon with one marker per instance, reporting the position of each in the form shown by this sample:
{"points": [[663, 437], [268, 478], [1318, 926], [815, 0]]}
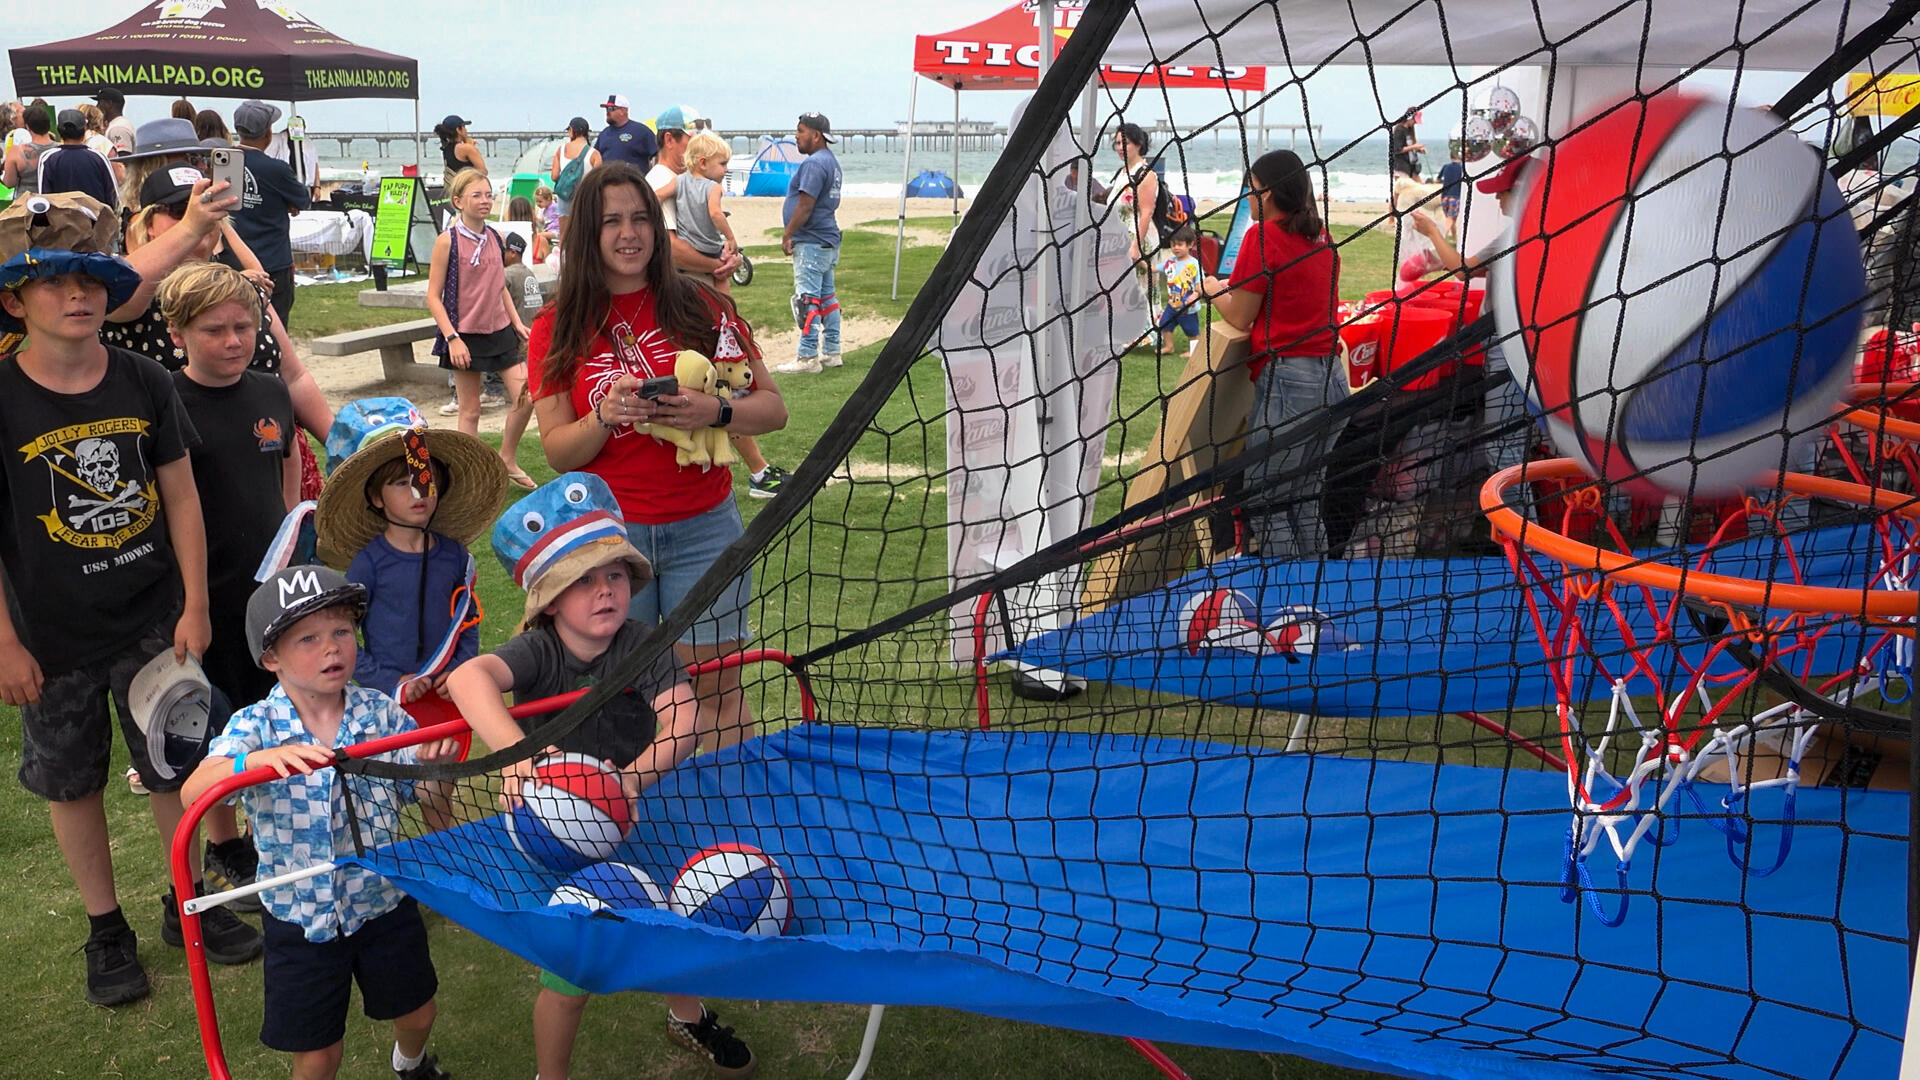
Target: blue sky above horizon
{"points": [[757, 67]]}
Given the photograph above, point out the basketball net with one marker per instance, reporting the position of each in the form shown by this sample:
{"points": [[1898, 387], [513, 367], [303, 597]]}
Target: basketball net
{"points": [[1672, 646]]}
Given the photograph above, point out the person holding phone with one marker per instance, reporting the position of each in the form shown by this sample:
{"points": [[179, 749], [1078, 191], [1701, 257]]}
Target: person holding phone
{"points": [[619, 318]]}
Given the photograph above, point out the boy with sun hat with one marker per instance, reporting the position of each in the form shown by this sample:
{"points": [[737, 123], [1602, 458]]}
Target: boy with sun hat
{"points": [[566, 544], [101, 516], [400, 505]]}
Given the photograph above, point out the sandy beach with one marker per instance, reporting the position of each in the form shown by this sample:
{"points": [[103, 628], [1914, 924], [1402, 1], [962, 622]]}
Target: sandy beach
{"points": [[346, 378]]}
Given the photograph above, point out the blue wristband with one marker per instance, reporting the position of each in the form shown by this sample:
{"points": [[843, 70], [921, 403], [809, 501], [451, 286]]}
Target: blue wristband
{"points": [[240, 763]]}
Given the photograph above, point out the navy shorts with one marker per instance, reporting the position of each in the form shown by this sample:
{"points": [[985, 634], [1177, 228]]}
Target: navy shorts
{"points": [[66, 738], [1188, 321], [308, 981]]}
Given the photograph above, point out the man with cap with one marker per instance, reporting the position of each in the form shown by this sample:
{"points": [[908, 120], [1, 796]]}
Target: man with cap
{"points": [[73, 165], [666, 172], [624, 138], [119, 128], [272, 194], [812, 237]]}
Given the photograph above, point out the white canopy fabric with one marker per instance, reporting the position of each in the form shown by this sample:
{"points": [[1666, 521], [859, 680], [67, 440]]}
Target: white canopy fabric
{"points": [[1780, 35]]}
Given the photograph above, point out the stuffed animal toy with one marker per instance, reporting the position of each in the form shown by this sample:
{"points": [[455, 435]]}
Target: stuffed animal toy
{"points": [[708, 446]]}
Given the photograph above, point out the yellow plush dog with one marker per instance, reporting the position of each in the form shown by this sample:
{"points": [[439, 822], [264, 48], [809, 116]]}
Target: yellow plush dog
{"points": [[708, 446]]}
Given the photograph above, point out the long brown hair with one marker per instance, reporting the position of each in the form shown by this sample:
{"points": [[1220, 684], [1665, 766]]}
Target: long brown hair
{"points": [[683, 306], [1285, 177]]}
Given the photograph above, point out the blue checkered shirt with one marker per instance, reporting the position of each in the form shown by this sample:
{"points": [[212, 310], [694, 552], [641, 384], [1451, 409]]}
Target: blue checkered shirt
{"points": [[302, 820]]}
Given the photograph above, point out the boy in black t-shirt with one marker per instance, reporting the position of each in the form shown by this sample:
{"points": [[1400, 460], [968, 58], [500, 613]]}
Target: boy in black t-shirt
{"points": [[248, 477], [101, 538], [579, 571]]}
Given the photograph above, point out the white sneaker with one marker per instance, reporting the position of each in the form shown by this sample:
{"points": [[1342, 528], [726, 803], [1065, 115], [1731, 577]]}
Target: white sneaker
{"points": [[451, 408], [830, 360], [799, 366]]}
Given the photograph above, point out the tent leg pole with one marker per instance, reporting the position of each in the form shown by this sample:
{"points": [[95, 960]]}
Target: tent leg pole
{"points": [[956, 153], [296, 150], [900, 229], [872, 1036]]}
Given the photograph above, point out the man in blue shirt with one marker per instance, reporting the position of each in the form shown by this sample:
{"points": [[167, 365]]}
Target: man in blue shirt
{"points": [[812, 237], [625, 139], [271, 195]]}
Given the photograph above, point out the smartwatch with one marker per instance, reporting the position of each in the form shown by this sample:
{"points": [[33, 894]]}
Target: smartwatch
{"points": [[726, 414]]}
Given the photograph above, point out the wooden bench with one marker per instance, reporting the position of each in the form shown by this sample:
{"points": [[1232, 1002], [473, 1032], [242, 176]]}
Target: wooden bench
{"points": [[395, 342]]}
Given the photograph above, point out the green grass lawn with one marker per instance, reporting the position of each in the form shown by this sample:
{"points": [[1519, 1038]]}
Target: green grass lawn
{"points": [[861, 551]]}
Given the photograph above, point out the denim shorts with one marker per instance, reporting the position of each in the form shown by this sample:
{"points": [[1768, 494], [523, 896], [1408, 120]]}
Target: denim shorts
{"points": [[680, 552]]}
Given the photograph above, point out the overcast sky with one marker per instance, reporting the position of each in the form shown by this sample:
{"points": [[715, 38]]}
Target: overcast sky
{"points": [[746, 63]]}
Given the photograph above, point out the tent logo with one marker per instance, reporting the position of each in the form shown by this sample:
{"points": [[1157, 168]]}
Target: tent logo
{"points": [[287, 12], [187, 9]]}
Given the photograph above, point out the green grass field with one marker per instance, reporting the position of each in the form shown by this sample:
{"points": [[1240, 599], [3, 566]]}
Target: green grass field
{"points": [[885, 546]]}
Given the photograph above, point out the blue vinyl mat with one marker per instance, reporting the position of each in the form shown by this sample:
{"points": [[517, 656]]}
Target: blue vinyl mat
{"points": [[1426, 636], [1402, 917]]}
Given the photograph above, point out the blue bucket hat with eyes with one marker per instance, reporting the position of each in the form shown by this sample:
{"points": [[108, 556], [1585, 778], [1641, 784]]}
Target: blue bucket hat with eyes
{"points": [[562, 529]]}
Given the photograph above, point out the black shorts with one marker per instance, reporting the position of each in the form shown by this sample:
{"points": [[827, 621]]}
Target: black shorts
{"points": [[497, 351], [307, 982], [66, 738]]}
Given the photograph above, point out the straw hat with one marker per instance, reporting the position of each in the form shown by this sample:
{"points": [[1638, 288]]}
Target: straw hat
{"points": [[564, 528], [370, 432]]}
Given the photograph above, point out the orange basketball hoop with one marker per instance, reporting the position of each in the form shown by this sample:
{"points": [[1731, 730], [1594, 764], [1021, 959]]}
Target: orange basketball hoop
{"points": [[1671, 644]]}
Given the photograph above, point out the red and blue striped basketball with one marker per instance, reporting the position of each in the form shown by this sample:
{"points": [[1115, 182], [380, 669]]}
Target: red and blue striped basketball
{"points": [[1684, 293], [735, 886], [609, 886], [572, 813]]}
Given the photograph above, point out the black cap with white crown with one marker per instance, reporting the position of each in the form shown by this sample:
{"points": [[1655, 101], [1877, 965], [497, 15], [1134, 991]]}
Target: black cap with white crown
{"points": [[293, 594]]}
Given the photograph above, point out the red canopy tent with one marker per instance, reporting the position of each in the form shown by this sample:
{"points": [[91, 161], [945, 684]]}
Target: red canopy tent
{"points": [[1002, 52]]}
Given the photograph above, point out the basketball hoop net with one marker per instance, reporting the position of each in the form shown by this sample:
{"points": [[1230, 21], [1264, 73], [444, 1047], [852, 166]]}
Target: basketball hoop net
{"points": [[1672, 646]]}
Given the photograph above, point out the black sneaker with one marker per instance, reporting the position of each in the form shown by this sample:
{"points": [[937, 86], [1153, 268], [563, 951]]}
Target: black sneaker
{"points": [[114, 974], [232, 865], [227, 939], [769, 483], [728, 1056], [428, 1069]]}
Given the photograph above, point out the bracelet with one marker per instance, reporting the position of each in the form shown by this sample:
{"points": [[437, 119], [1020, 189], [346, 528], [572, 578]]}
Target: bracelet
{"points": [[240, 763], [603, 420]]}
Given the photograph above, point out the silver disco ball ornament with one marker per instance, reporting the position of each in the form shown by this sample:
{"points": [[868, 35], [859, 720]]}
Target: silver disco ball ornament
{"points": [[1476, 138], [1503, 107]]}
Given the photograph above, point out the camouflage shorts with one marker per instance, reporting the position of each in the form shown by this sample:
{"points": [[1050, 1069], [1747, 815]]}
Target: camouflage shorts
{"points": [[66, 738]]}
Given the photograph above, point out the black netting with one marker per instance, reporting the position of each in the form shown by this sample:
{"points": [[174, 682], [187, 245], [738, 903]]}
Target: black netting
{"points": [[1249, 723]]}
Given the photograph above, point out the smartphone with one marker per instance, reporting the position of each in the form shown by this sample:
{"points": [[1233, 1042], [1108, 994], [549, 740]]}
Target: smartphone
{"points": [[231, 166], [659, 386]]}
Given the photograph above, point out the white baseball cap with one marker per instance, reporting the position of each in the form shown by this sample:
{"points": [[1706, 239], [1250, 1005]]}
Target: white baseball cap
{"points": [[615, 101]]}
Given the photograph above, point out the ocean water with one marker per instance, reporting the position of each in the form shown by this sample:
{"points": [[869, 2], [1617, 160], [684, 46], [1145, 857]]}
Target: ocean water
{"points": [[1201, 167]]}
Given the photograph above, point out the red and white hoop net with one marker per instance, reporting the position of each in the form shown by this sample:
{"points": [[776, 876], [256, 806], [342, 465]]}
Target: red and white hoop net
{"points": [[1680, 649]]}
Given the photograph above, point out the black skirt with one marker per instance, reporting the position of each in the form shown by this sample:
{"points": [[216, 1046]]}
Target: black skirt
{"points": [[497, 351]]}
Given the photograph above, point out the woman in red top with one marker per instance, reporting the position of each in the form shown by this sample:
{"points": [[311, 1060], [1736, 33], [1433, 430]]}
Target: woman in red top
{"points": [[622, 314], [1282, 291]]}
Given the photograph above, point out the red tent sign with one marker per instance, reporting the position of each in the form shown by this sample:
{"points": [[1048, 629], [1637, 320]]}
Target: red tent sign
{"points": [[1005, 50], [224, 48]]}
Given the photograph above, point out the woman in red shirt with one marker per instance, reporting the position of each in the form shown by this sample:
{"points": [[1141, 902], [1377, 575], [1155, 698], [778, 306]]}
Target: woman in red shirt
{"points": [[1282, 291], [621, 315]]}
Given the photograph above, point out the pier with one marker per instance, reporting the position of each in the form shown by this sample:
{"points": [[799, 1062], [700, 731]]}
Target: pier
{"points": [[341, 145]]}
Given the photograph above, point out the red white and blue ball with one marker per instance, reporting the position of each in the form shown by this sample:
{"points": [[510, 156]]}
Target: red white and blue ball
{"points": [[573, 812], [1684, 294], [1221, 619], [609, 886], [1299, 630], [736, 887]]}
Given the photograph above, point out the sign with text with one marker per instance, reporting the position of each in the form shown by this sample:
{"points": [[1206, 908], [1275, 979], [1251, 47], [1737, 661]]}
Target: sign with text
{"points": [[397, 219]]}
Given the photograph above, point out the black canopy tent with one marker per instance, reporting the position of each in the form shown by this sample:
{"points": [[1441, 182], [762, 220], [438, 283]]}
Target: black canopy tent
{"points": [[245, 49]]}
